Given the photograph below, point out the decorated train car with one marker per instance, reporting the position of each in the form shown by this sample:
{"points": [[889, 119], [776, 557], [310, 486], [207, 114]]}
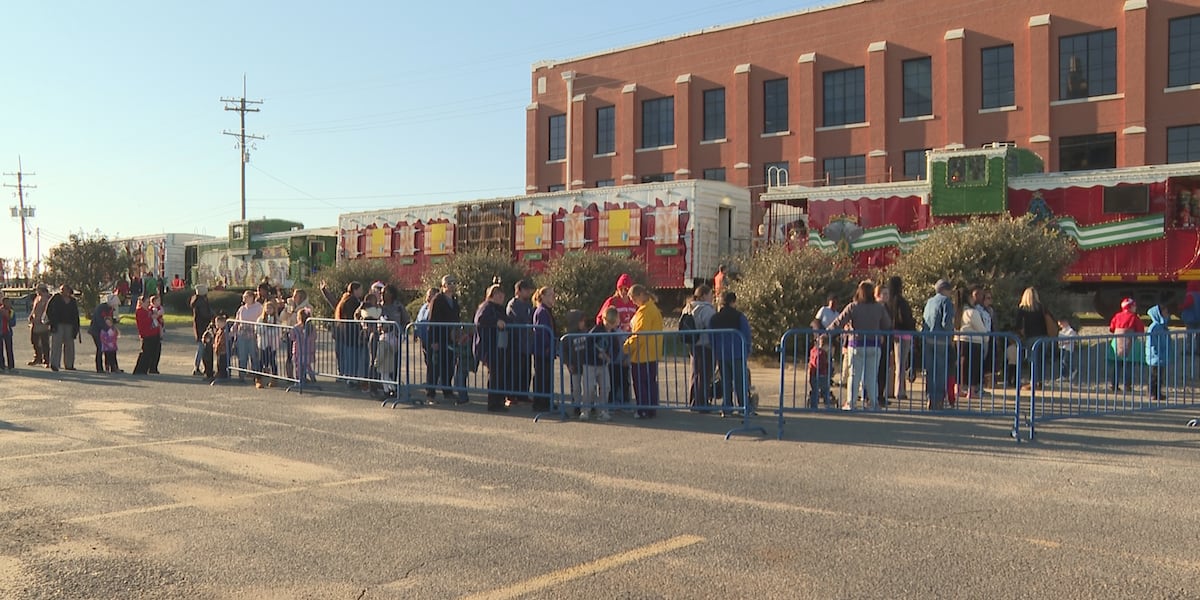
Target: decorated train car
{"points": [[1137, 228], [163, 254], [282, 251], [679, 229]]}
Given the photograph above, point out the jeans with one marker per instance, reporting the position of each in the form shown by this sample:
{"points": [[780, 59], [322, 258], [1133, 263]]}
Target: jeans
{"points": [[595, 384], [864, 370], [62, 347], [247, 353], [902, 357], [702, 376], [543, 381], [936, 359], [819, 390], [733, 382]]}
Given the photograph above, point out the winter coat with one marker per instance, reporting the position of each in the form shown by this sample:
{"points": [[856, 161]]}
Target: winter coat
{"points": [[730, 347], [63, 312], [545, 336], [645, 348], [488, 335], [1158, 343], [520, 339], [702, 312]]}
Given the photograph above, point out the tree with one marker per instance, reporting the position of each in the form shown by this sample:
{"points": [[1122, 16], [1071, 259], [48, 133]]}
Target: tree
{"points": [[1004, 254], [475, 271], [584, 280], [89, 264], [780, 290]]}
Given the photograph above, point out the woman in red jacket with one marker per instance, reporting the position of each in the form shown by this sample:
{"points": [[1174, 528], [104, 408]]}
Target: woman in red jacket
{"points": [[148, 330], [1124, 324]]}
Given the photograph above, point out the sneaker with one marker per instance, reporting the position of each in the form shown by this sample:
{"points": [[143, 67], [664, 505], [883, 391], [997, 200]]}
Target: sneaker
{"points": [[1194, 423], [603, 416], [583, 415], [258, 385], [847, 408]]}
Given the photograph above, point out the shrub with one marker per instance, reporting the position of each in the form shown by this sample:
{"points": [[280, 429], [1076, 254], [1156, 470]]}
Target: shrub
{"points": [[1004, 254], [584, 280], [475, 272], [780, 290], [338, 277]]}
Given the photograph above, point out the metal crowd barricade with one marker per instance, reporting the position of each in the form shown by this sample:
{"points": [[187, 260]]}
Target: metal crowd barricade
{"points": [[914, 372], [1104, 374], [617, 374], [442, 357], [363, 354]]}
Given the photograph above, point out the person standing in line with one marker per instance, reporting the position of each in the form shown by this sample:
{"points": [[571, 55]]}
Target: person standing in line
{"points": [[1066, 350], [970, 342], [135, 289], [445, 310], [592, 359], [8, 320], [702, 311], [937, 321], [520, 349], [731, 351], [1124, 324], [157, 312], [122, 290], [719, 280], [202, 316], [819, 369], [108, 344], [39, 327], [104, 311], [346, 332], [620, 390], [1158, 350], [62, 312], [902, 341], [886, 366], [545, 348], [491, 342], [247, 348], [863, 314], [645, 347], [151, 337]]}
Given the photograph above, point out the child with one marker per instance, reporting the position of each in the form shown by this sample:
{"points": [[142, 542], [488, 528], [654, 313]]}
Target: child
{"points": [[304, 347], [108, 345], [1066, 349], [573, 353], [208, 338], [1158, 349], [596, 369], [268, 345], [221, 345], [7, 322], [819, 369], [387, 356]]}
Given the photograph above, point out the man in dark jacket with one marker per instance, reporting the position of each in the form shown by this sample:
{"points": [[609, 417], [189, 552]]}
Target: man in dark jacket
{"points": [[520, 352], [731, 350], [62, 313], [442, 338], [202, 317]]}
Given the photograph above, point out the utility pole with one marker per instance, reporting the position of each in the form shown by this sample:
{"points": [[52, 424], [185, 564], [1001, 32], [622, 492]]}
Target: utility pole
{"points": [[240, 105], [21, 211]]}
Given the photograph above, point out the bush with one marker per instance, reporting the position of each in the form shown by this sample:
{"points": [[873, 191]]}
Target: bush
{"points": [[780, 290], [584, 280], [1004, 254], [475, 272], [338, 277]]}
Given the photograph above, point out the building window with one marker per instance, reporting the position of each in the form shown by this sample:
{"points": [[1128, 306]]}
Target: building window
{"points": [[716, 174], [606, 183], [914, 164], [846, 169], [998, 77], [845, 97], [657, 178], [1183, 54], [918, 87], [558, 187], [1087, 65], [775, 173], [558, 137], [658, 122], [775, 105], [1083, 152], [1183, 144], [714, 114], [606, 130]]}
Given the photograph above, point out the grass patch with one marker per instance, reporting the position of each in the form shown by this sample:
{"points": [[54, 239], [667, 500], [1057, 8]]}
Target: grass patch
{"points": [[169, 320]]}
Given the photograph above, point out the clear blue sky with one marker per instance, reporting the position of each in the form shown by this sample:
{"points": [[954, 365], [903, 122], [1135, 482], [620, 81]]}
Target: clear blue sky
{"points": [[115, 106]]}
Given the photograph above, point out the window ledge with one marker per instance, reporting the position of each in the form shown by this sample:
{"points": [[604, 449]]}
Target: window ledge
{"points": [[846, 126], [605, 155], [716, 141], [656, 148], [776, 134], [1104, 98], [557, 161], [916, 118], [1181, 88], [1009, 108]]}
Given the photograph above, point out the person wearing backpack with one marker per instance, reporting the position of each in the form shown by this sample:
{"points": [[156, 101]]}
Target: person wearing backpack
{"points": [[697, 316]]}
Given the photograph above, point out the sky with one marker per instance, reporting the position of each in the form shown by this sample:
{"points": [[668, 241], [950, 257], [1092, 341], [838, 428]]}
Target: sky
{"points": [[115, 107]]}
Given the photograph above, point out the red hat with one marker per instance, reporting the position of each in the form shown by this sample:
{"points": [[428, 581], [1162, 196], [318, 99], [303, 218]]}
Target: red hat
{"points": [[624, 281], [1127, 302]]}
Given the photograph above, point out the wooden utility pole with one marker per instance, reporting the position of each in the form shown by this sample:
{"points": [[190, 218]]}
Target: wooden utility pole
{"points": [[240, 105], [20, 211]]}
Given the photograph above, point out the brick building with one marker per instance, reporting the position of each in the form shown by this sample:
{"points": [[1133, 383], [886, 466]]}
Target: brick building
{"points": [[856, 91]]}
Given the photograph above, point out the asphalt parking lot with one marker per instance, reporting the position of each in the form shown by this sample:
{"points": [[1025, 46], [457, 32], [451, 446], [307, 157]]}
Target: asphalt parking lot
{"points": [[113, 486]]}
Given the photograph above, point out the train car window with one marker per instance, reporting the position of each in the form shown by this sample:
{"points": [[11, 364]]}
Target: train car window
{"points": [[962, 171], [1127, 199]]}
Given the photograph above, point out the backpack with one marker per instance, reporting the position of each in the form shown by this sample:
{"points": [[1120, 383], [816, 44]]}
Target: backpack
{"points": [[687, 323]]}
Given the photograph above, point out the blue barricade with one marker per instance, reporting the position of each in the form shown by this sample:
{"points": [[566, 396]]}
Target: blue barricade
{"points": [[907, 371], [1101, 374], [602, 375]]}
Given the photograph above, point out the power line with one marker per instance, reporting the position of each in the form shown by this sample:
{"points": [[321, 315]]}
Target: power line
{"points": [[240, 105]]}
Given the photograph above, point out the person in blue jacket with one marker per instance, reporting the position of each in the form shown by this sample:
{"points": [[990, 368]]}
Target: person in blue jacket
{"points": [[1158, 349]]}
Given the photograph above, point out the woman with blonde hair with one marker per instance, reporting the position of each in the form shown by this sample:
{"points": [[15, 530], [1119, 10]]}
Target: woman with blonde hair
{"points": [[645, 348], [545, 347], [1032, 319]]}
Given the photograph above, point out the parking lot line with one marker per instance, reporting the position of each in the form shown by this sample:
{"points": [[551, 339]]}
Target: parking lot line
{"points": [[102, 448], [588, 568]]}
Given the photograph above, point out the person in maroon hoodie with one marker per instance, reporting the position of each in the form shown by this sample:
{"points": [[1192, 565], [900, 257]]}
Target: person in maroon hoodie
{"points": [[151, 336], [1124, 324], [621, 390]]}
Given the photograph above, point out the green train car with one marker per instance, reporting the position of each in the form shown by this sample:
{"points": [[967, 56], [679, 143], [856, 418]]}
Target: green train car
{"points": [[282, 251]]}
